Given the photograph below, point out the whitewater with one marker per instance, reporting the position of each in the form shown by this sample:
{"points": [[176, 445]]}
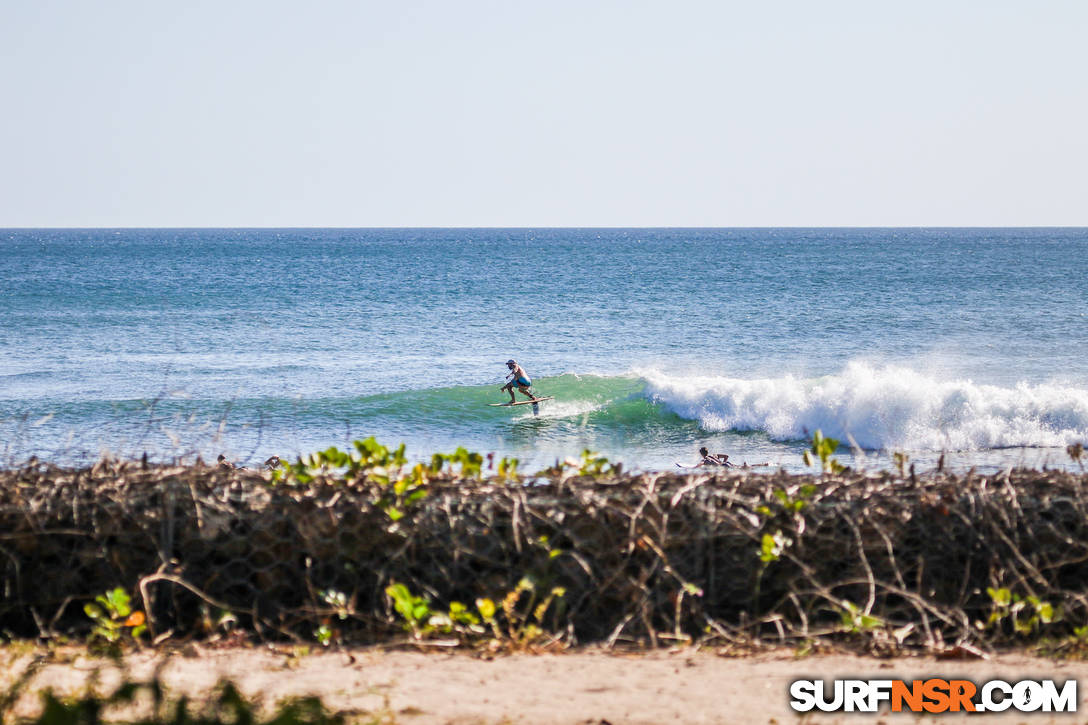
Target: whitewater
{"points": [[880, 409]]}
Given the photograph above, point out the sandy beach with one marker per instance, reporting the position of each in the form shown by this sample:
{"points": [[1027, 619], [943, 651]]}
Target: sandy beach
{"points": [[582, 686]]}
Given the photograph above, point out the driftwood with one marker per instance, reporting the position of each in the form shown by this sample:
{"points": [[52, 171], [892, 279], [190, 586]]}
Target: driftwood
{"points": [[878, 561]]}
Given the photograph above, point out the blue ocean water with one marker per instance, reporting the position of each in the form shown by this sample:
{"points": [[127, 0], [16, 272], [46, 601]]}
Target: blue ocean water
{"points": [[967, 342]]}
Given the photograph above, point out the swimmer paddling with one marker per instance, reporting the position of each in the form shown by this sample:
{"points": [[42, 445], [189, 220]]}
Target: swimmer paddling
{"points": [[714, 460]]}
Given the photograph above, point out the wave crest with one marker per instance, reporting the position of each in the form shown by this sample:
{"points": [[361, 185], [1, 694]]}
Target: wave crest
{"points": [[881, 407]]}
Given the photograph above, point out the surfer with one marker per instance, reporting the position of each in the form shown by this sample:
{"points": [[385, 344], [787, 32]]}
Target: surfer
{"points": [[520, 380], [706, 458], [714, 459]]}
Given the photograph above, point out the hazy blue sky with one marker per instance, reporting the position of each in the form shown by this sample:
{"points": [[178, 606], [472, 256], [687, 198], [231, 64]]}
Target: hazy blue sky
{"points": [[549, 113]]}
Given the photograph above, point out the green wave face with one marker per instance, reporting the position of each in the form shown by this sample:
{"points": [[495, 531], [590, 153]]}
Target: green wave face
{"points": [[609, 414], [575, 396]]}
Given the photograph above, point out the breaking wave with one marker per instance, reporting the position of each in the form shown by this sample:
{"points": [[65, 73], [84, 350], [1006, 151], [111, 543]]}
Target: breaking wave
{"points": [[881, 408]]}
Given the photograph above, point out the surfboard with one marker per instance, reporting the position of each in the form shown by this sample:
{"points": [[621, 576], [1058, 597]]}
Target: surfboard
{"points": [[521, 402]]}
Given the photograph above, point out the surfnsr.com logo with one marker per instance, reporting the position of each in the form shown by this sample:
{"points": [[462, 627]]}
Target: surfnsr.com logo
{"points": [[933, 695]]}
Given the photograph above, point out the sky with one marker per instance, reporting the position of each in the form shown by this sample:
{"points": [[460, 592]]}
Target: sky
{"points": [[140, 113]]}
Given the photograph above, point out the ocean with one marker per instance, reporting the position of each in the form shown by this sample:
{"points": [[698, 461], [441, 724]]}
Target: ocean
{"points": [[966, 343]]}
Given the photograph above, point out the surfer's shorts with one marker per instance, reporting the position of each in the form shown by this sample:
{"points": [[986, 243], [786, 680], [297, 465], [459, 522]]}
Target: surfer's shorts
{"points": [[523, 382]]}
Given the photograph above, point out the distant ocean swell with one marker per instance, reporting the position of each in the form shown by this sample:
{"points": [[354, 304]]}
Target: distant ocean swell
{"points": [[881, 408]]}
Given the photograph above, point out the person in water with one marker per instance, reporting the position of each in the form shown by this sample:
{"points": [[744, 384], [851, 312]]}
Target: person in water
{"points": [[520, 380], [714, 459]]}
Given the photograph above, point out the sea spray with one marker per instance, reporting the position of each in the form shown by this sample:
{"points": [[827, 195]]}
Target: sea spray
{"points": [[888, 407]]}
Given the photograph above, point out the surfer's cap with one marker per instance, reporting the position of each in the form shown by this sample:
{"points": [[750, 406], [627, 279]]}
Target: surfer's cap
{"points": [[511, 362]]}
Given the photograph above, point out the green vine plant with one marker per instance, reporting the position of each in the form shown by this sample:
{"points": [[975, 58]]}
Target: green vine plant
{"points": [[371, 462], [857, 621], [590, 463], [792, 500], [822, 448], [508, 469], [422, 620], [772, 546], [471, 463], [516, 623], [113, 618], [524, 621], [1024, 614]]}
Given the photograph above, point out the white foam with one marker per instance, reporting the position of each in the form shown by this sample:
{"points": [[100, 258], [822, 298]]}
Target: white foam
{"points": [[558, 409], [881, 407]]}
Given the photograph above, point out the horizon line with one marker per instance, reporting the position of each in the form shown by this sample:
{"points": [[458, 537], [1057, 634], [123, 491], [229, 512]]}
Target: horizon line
{"points": [[570, 227]]}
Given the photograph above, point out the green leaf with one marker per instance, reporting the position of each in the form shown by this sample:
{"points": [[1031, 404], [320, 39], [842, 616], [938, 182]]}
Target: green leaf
{"points": [[1046, 612], [867, 621], [486, 608], [399, 458], [459, 613], [335, 457], [1001, 597], [771, 547], [398, 593], [118, 602]]}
